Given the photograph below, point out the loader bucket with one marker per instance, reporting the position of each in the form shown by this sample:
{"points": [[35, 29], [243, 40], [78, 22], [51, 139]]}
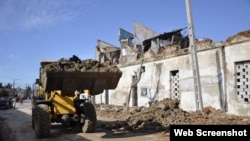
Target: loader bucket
{"points": [[68, 82]]}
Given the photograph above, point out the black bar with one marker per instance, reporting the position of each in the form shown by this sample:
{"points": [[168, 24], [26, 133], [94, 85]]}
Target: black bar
{"points": [[180, 132]]}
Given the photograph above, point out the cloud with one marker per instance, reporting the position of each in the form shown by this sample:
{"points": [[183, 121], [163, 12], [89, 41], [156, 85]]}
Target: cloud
{"points": [[11, 56], [32, 14]]}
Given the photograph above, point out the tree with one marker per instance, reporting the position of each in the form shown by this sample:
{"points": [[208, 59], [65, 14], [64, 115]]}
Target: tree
{"points": [[4, 93], [134, 84], [28, 90], [9, 85]]}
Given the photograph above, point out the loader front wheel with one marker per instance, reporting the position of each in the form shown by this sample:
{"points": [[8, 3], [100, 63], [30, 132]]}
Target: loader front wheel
{"points": [[90, 118], [33, 117], [42, 123]]}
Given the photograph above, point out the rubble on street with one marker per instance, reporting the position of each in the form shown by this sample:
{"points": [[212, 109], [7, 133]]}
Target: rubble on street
{"points": [[160, 116]]}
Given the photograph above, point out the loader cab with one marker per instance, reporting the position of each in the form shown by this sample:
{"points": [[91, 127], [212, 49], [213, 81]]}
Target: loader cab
{"points": [[38, 90]]}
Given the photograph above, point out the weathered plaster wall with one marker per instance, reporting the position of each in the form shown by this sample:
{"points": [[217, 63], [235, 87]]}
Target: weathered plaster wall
{"points": [[157, 76], [235, 53], [208, 77]]}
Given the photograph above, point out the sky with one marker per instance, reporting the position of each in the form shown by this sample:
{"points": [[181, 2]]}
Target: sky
{"points": [[36, 30]]}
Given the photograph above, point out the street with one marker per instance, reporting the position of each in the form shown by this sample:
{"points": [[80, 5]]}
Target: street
{"points": [[19, 122]]}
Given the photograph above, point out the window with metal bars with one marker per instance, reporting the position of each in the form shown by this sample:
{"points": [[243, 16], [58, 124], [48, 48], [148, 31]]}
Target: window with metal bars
{"points": [[174, 84], [242, 71]]}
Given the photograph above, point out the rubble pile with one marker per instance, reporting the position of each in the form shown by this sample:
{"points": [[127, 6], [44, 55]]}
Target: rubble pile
{"points": [[68, 75], [204, 43], [239, 36], [76, 64], [159, 116], [169, 50]]}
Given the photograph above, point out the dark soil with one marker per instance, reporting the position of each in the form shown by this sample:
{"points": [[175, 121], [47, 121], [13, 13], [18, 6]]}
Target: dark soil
{"points": [[5, 132]]}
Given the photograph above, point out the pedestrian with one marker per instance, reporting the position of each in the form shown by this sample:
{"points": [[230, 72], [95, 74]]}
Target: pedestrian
{"points": [[21, 100], [13, 100]]}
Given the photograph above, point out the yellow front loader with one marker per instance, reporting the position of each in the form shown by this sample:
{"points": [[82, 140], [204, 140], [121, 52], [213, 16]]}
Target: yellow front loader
{"points": [[65, 97]]}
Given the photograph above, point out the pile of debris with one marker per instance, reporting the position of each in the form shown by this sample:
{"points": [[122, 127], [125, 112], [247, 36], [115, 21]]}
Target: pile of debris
{"points": [[243, 35], [76, 64], [159, 116], [68, 75]]}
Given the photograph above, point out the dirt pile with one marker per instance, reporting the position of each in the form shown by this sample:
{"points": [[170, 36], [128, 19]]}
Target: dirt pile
{"points": [[159, 116], [73, 74], [239, 36], [76, 64]]}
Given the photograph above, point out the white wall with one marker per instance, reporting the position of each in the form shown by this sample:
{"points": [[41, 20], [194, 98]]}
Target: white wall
{"points": [[216, 67], [236, 53], [158, 72]]}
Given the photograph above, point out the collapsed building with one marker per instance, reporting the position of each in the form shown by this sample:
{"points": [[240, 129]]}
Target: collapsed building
{"points": [[159, 66]]}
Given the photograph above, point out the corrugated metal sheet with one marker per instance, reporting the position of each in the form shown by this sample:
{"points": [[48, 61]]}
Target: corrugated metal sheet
{"points": [[123, 34]]}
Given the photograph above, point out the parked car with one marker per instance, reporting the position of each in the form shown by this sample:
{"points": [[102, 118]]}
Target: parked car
{"points": [[4, 103]]}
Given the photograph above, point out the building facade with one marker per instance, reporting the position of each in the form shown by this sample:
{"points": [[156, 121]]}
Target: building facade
{"points": [[163, 68]]}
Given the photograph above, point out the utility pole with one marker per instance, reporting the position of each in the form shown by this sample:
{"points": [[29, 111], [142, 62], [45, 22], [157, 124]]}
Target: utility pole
{"points": [[13, 87], [195, 65]]}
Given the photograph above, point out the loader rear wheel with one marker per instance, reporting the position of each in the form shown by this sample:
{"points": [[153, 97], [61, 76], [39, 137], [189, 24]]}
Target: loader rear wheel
{"points": [[90, 118], [42, 123]]}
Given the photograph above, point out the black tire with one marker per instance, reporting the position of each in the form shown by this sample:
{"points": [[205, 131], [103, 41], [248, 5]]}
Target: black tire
{"points": [[90, 118], [33, 103], [33, 117], [42, 123]]}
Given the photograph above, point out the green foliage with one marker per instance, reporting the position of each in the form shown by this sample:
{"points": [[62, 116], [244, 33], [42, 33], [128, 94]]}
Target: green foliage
{"points": [[9, 85], [4, 93], [28, 88]]}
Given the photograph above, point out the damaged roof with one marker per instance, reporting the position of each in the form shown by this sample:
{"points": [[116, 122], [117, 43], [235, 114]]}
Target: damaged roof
{"points": [[106, 47], [163, 36]]}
